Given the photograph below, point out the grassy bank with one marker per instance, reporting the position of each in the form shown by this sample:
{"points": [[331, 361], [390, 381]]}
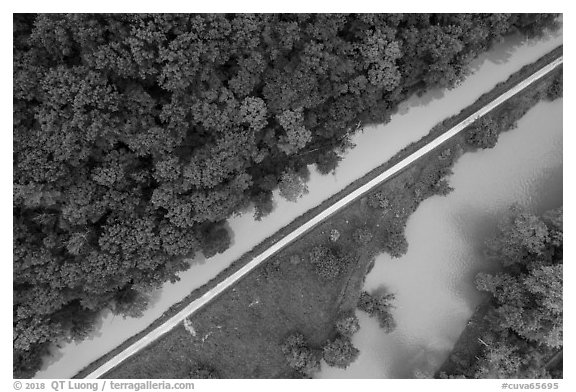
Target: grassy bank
{"points": [[336, 295], [240, 333]]}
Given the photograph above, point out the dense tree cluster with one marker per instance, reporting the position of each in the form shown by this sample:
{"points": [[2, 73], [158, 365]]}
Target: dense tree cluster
{"points": [[528, 293], [329, 262], [523, 328], [137, 136]]}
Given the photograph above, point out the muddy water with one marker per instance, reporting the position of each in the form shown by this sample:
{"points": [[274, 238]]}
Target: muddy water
{"points": [[433, 282], [374, 146]]}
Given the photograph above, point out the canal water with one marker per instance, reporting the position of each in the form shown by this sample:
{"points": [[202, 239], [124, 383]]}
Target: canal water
{"points": [[433, 282], [374, 146]]}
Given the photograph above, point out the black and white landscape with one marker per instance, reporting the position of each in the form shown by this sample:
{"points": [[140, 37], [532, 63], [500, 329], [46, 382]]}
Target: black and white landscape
{"points": [[287, 196]]}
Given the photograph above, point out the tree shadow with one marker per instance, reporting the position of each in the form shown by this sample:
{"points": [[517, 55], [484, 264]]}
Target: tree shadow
{"points": [[549, 189], [421, 99], [153, 298], [231, 235], [198, 259], [476, 226], [382, 290], [56, 350]]}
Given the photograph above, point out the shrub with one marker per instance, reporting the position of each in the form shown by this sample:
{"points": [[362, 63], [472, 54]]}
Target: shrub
{"points": [[348, 325], [484, 133], [396, 244], [386, 321], [555, 89], [378, 306], [334, 235], [362, 235], [431, 181], [326, 262], [442, 187], [299, 356], [447, 153], [378, 200], [340, 353]]}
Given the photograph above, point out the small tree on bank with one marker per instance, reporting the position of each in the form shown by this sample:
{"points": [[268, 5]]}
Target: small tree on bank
{"points": [[340, 353], [378, 306], [299, 356], [555, 90], [348, 325], [484, 133]]}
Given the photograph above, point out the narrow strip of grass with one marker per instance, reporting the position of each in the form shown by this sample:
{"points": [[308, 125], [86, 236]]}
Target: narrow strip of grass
{"points": [[239, 334], [437, 130]]}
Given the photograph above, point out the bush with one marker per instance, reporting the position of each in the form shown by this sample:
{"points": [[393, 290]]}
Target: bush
{"points": [[340, 353], [431, 180], [299, 356], [386, 321], [362, 235], [555, 90], [348, 325], [378, 306], [442, 187], [396, 244], [334, 235], [326, 262], [446, 154], [484, 133], [378, 200]]}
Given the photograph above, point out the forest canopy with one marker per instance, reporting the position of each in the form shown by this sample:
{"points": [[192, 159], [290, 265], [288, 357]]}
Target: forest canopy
{"points": [[137, 136]]}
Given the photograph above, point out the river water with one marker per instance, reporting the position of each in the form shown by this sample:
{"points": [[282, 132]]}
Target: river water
{"points": [[374, 146], [433, 282]]}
